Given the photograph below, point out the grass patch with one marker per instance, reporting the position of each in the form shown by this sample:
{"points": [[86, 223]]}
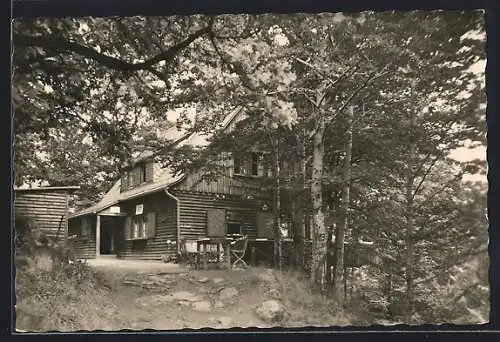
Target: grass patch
{"points": [[70, 297], [304, 305]]}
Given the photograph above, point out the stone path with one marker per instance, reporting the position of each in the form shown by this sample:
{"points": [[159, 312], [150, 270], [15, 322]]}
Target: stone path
{"points": [[176, 301]]}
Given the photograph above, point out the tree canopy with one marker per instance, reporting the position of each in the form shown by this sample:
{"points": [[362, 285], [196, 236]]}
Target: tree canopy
{"points": [[91, 93]]}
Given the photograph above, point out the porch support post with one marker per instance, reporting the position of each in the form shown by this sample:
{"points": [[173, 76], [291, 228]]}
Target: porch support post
{"points": [[98, 236]]}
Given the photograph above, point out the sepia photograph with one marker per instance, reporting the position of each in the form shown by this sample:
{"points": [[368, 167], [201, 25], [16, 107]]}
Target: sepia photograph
{"points": [[250, 170]]}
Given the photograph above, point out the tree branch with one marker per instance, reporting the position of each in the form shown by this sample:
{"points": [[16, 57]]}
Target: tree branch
{"points": [[373, 76], [62, 45], [426, 173], [333, 83]]}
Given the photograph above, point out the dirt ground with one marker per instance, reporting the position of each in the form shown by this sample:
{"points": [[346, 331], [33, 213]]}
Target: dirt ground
{"points": [[148, 295], [194, 299], [218, 298]]}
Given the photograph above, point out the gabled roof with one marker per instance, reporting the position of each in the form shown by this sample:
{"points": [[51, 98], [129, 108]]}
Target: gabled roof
{"points": [[115, 196], [163, 177]]}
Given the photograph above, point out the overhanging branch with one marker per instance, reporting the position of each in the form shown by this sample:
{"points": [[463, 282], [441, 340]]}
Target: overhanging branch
{"points": [[59, 44]]}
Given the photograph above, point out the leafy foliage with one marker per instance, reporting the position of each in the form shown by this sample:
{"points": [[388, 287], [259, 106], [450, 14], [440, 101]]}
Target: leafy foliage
{"points": [[90, 94]]}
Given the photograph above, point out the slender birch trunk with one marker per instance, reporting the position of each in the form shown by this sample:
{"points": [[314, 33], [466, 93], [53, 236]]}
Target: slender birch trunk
{"points": [[318, 218], [341, 229]]}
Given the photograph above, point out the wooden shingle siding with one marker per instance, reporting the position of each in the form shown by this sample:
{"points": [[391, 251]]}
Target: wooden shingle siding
{"points": [[46, 209], [165, 228], [83, 246], [226, 183], [194, 207]]}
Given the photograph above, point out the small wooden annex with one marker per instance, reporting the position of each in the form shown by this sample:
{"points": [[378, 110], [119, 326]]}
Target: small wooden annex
{"points": [[148, 211], [46, 207]]}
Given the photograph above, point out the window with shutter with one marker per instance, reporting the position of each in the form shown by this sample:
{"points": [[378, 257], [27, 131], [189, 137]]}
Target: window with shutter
{"points": [[149, 172], [142, 173], [135, 227], [85, 227], [261, 170], [128, 228], [255, 164], [143, 221], [130, 177], [137, 176], [265, 225], [151, 225], [237, 167], [216, 222], [124, 184]]}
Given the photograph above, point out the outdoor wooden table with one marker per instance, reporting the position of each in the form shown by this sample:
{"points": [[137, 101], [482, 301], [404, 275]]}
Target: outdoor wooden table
{"points": [[203, 243]]}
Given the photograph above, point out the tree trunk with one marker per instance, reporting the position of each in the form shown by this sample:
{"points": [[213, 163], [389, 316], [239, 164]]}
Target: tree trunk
{"points": [[301, 212], [318, 218], [277, 206], [341, 229], [410, 225]]}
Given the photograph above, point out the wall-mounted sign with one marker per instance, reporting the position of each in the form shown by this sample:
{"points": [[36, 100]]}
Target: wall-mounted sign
{"points": [[114, 209], [139, 209]]}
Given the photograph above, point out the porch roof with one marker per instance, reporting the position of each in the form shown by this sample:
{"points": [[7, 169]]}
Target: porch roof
{"points": [[115, 196]]}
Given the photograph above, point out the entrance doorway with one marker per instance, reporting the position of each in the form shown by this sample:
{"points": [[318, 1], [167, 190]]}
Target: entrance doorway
{"points": [[106, 242], [111, 235]]}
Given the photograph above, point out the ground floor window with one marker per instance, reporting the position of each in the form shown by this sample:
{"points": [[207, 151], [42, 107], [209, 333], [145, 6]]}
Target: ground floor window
{"points": [[234, 228], [142, 226], [139, 224]]}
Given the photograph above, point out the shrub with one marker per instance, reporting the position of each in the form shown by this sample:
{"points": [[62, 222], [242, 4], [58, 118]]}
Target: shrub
{"points": [[24, 241], [70, 297]]}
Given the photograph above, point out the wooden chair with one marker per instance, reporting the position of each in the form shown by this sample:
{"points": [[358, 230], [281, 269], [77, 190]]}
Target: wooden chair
{"points": [[238, 249], [189, 253]]}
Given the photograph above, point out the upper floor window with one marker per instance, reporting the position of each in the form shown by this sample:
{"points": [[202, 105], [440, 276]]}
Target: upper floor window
{"points": [[141, 173], [255, 164], [248, 165], [130, 178], [237, 166]]}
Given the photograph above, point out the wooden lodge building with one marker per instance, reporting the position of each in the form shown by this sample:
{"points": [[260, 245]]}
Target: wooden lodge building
{"points": [[46, 207], [149, 210]]}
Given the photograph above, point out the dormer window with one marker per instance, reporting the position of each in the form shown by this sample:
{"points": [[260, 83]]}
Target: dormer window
{"points": [[130, 178], [142, 171], [139, 174]]}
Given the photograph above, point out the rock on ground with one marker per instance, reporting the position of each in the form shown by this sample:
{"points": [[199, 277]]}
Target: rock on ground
{"points": [[217, 280], [183, 295], [180, 296], [270, 311], [273, 293], [228, 293], [219, 305], [203, 306], [203, 279]]}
